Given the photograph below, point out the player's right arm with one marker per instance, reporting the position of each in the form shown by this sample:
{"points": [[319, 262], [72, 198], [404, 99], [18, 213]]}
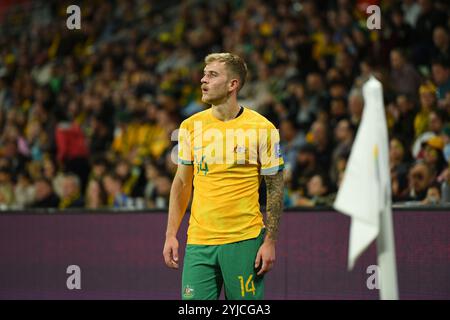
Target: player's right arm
{"points": [[180, 193]]}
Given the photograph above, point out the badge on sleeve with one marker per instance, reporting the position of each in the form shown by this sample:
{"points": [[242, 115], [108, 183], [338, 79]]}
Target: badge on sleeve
{"points": [[277, 150]]}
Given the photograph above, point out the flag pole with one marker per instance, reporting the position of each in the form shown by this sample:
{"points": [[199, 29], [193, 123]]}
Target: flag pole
{"points": [[387, 264], [387, 271]]}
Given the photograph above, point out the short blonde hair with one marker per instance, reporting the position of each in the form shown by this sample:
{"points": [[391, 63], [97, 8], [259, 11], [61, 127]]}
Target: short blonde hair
{"points": [[234, 64]]}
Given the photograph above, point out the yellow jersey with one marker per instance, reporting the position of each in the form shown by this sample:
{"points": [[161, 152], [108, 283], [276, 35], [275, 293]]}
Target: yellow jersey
{"points": [[228, 158]]}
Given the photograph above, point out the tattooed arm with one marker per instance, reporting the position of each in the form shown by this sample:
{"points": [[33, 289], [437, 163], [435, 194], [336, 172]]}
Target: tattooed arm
{"points": [[275, 188], [266, 253]]}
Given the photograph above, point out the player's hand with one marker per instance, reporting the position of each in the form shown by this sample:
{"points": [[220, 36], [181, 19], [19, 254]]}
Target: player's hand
{"points": [[265, 256], [170, 252]]}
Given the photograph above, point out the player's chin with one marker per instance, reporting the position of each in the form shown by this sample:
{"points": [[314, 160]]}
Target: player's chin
{"points": [[206, 99], [214, 100]]}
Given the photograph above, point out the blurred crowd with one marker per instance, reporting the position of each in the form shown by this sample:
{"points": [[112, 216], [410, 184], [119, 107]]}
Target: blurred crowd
{"points": [[87, 116]]}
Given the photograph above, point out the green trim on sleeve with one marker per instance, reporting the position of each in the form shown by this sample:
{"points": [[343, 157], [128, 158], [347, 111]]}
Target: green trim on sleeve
{"points": [[185, 162], [272, 171]]}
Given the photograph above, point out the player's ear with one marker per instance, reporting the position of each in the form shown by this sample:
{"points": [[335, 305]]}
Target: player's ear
{"points": [[234, 84]]}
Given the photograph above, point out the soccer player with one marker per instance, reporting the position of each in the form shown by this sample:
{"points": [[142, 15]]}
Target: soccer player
{"points": [[223, 153]]}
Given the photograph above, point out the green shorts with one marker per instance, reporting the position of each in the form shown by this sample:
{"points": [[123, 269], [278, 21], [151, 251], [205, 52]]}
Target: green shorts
{"points": [[207, 267]]}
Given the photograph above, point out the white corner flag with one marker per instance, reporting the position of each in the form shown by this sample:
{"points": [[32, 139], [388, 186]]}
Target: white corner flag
{"points": [[365, 191]]}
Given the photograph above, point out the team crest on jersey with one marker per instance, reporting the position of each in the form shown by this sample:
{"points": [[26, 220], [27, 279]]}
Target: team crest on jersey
{"points": [[239, 149], [188, 292]]}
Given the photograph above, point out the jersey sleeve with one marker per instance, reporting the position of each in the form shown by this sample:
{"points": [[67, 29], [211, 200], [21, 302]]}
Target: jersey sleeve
{"points": [[185, 155], [269, 152]]}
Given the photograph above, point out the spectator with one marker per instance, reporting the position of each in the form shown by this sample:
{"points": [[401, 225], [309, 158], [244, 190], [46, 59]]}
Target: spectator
{"points": [[71, 192], [367, 69], [355, 106], [6, 188], [135, 140], [441, 76], [151, 175], [400, 31], [337, 89], [129, 176], [100, 137], [298, 106], [441, 44], [398, 167], [291, 140], [428, 19], [37, 140], [50, 171], [404, 114], [344, 134], [338, 111], [445, 104], [317, 193], [433, 195], [72, 151], [404, 79], [258, 93], [99, 166], [112, 184], [315, 90], [320, 137], [95, 195], [419, 179], [437, 121], [433, 156], [427, 103], [17, 161], [23, 191], [160, 197], [305, 167], [45, 197]]}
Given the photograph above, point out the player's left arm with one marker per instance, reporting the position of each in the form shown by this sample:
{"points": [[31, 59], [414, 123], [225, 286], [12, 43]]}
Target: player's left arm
{"points": [[274, 208]]}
